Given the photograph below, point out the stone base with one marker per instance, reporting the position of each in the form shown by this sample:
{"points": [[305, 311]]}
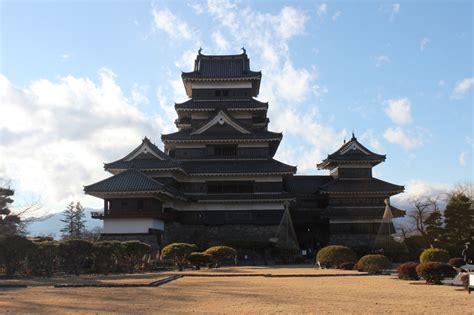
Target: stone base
{"points": [[205, 236]]}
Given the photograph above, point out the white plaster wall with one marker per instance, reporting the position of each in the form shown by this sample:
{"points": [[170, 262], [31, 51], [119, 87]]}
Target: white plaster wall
{"points": [[131, 225]]}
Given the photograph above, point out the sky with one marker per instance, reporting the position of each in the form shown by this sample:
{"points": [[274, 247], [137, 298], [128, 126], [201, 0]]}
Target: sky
{"points": [[82, 82]]}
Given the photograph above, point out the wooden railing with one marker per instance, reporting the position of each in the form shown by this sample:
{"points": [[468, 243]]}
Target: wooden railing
{"points": [[132, 214]]}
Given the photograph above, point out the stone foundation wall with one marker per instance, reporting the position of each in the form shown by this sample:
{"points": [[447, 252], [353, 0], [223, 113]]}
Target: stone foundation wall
{"points": [[205, 235]]}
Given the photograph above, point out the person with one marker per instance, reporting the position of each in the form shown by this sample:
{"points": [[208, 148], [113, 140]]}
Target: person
{"points": [[465, 253]]}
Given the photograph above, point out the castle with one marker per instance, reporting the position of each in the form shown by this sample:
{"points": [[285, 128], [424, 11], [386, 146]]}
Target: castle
{"points": [[217, 179]]}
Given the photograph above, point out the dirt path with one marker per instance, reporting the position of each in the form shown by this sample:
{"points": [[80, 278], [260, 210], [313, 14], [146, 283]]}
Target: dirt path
{"points": [[243, 295]]}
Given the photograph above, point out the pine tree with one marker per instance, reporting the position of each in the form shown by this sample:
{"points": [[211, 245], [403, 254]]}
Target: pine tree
{"points": [[434, 225], [79, 221], [458, 218], [10, 223], [69, 230]]}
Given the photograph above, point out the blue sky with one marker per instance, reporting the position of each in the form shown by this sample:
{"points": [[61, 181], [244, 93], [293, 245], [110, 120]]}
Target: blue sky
{"points": [[83, 82]]}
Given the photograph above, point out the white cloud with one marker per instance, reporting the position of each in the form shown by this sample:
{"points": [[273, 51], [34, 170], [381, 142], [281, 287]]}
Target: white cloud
{"points": [[407, 140], [65, 56], [382, 60], [291, 22], [57, 134], [441, 83], [336, 15], [399, 110], [462, 88], [198, 8], [166, 21], [423, 43], [462, 158], [418, 188], [395, 9], [373, 141], [322, 10], [220, 41]]}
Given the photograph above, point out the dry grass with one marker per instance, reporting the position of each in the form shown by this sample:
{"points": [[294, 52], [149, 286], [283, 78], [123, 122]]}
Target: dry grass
{"points": [[348, 294]]}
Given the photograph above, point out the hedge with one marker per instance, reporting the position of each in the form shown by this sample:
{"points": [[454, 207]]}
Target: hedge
{"points": [[434, 272], [434, 255], [407, 271], [335, 255], [373, 263]]}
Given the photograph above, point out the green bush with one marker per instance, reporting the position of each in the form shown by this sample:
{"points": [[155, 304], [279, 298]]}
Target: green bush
{"points": [[179, 253], [199, 259], [43, 259], [457, 262], [75, 253], [346, 266], [373, 263], [407, 271], [220, 253], [434, 272], [135, 252], [434, 255], [14, 251], [333, 256], [108, 256]]}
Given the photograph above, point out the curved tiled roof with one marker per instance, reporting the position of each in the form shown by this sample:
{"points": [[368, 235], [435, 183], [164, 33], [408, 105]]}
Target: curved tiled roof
{"points": [[352, 151], [237, 167], [130, 180], [184, 135], [144, 164], [230, 66], [211, 105], [369, 185]]}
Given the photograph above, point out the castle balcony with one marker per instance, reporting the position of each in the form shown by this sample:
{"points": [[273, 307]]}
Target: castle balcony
{"points": [[132, 214]]}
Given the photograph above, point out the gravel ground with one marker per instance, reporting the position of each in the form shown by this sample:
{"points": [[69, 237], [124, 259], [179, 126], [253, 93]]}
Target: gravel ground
{"points": [[243, 295]]}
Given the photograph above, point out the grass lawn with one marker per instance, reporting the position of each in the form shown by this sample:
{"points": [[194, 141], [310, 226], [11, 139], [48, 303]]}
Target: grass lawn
{"points": [[325, 294]]}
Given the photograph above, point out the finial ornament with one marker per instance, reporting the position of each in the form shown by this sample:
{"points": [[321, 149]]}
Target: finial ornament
{"points": [[243, 50], [353, 136], [200, 51]]}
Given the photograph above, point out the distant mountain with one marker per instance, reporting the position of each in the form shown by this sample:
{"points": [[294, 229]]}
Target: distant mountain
{"points": [[52, 225]]}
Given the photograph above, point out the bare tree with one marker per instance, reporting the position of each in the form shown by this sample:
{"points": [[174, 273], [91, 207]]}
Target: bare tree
{"points": [[422, 208]]}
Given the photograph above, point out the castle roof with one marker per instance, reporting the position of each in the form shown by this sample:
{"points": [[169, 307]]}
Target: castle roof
{"points": [[221, 67], [351, 152], [129, 181], [230, 105], [361, 186]]}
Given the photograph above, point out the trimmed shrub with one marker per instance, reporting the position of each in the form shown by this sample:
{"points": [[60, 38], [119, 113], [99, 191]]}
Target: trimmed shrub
{"points": [[199, 259], [14, 251], [434, 272], [346, 266], [43, 259], [108, 256], [434, 255], [135, 252], [75, 253], [333, 256], [407, 271], [220, 253], [457, 262], [179, 253], [373, 263]]}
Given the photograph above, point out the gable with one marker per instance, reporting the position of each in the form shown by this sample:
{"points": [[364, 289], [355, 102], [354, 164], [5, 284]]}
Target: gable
{"points": [[144, 151], [221, 119], [354, 148]]}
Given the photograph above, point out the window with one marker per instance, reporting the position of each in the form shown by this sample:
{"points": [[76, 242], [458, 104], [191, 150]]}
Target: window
{"points": [[217, 93], [225, 150], [124, 203], [230, 187], [225, 93], [140, 204]]}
